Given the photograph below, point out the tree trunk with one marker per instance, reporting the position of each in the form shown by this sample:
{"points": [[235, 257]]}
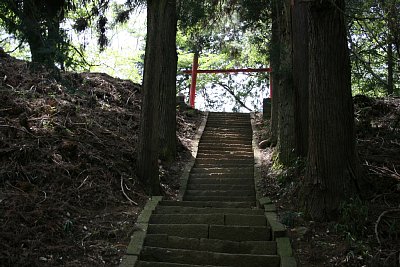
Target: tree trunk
{"points": [[148, 147], [286, 133], [43, 38], [332, 167], [276, 8], [168, 83], [32, 31], [300, 75], [390, 66], [390, 17]]}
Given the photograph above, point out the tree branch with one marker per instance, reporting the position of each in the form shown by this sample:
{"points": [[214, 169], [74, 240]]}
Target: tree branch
{"points": [[232, 93], [20, 44], [366, 64]]}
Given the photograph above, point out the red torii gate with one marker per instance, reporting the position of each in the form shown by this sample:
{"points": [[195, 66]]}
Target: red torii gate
{"points": [[195, 70]]}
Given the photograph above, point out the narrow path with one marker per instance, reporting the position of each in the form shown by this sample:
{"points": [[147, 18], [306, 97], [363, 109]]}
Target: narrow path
{"points": [[218, 222]]}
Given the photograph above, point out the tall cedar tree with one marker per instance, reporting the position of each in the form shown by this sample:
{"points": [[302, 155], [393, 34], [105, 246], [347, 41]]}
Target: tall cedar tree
{"points": [[148, 149], [332, 172], [300, 75], [276, 9], [168, 83], [286, 129]]}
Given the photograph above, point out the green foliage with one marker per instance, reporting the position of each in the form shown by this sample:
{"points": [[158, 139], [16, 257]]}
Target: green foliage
{"points": [[352, 224], [374, 29], [286, 173], [227, 42], [353, 218], [46, 26], [68, 226]]}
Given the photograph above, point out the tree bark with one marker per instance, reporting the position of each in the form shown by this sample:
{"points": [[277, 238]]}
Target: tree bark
{"points": [[168, 83], [148, 147], [286, 132], [300, 75], [276, 8], [332, 168], [32, 30], [42, 37], [390, 66], [389, 10]]}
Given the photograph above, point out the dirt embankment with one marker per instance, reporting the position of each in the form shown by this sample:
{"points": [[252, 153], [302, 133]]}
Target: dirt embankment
{"points": [[68, 191], [367, 232]]}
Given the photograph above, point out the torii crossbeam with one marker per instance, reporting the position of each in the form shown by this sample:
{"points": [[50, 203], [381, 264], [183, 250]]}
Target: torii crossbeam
{"points": [[194, 71]]}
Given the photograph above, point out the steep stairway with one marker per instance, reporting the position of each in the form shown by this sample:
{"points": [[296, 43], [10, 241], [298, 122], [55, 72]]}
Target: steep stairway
{"points": [[218, 222]]}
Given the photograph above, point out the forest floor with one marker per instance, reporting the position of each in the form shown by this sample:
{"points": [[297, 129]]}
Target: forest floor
{"points": [[368, 230], [68, 191]]}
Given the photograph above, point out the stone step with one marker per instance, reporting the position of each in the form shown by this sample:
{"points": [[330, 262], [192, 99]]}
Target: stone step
{"points": [[239, 233], [228, 118], [212, 245], [226, 155], [222, 144], [222, 116], [233, 128], [209, 133], [208, 258], [181, 230], [203, 186], [229, 114], [223, 165], [230, 124], [217, 219], [194, 210], [221, 181], [236, 130], [216, 131], [230, 149], [218, 150], [233, 157], [214, 219], [246, 117], [218, 175], [235, 170], [225, 152], [166, 264], [209, 204], [218, 198], [227, 135], [243, 130], [221, 193], [222, 153], [219, 161], [226, 141], [222, 232]]}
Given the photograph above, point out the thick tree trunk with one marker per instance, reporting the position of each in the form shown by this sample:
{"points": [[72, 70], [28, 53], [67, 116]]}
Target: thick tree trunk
{"points": [[168, 83], [43, 38], [332, 167], [390, 14], [300, 75], [33, 33], [390, 66], [148, 147], [276, 8], [286, 133]]}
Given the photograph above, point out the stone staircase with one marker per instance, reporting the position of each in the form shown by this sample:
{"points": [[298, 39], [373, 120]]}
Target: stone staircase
{"points": [[218, 222]]}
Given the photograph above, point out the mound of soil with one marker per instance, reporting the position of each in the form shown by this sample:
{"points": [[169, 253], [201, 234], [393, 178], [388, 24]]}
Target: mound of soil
{"points": [[68, 191], [367, 232]]}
